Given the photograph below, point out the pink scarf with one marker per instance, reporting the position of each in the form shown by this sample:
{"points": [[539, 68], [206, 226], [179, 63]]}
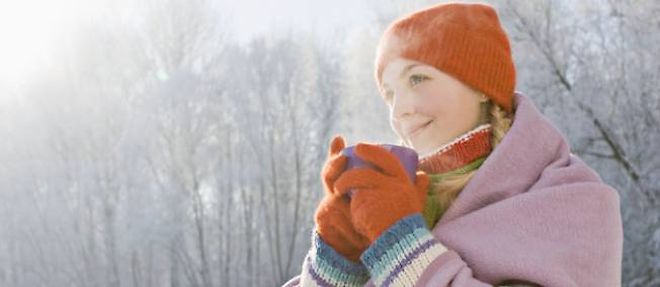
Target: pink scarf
{"points": [[534, 212]]}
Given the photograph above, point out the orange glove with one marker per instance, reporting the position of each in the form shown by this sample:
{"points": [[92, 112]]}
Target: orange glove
{"points": [[332, 217], [382, 197]]}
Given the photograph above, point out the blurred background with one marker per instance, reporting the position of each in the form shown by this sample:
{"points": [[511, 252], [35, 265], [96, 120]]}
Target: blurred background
{"points": [[179, 142]]}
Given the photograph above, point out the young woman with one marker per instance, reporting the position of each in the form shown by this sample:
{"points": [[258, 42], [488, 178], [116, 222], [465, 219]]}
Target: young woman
{"points": [[499, 199]]}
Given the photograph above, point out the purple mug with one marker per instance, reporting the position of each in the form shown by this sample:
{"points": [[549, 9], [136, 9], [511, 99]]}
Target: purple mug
{"points": [[407, 156]]}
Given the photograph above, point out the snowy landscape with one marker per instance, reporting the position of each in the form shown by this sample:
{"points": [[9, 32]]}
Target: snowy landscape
{"points": [[179, 143]]}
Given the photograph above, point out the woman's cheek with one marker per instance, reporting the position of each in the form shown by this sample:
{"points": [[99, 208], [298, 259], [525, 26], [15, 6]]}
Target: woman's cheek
{"points": [[430, 103]]}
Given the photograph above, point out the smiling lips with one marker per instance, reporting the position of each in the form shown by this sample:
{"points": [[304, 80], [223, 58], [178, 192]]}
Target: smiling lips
{"points": [[416, 130]]}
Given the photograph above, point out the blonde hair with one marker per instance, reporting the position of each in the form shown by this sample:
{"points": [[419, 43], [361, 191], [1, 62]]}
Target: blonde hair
{"points": [[446, 190]]}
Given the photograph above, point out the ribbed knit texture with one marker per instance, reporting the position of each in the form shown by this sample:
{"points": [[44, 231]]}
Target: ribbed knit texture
{"points": [[325, 267], [401, 254], [459, 152], [465, 40], [463, 154]]}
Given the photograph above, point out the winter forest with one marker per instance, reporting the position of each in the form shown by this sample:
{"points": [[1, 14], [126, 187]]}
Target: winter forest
{"points": [[145, 145]]}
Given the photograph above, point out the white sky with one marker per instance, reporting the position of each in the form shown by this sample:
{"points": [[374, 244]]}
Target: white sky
{"points": [[26, 30], [256, 17], [29, 29]]}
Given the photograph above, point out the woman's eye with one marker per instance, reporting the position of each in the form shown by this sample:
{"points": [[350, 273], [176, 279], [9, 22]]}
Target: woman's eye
{"points": [[415, 79]]}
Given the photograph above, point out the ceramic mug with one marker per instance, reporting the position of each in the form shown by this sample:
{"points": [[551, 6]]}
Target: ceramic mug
{"points": [[406, 155]]}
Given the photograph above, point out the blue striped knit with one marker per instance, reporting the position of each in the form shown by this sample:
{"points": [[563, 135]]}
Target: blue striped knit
{"points": [[400, 255], [326, 267]]}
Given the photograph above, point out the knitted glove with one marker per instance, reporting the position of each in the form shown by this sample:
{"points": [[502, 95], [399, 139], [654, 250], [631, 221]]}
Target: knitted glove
{"points": [[382, 197], [332, 217]]}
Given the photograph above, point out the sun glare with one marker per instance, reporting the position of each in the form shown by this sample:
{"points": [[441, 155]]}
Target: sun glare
{"points": [[28, 31]]}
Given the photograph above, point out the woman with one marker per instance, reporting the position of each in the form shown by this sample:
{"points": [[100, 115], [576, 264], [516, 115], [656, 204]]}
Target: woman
{"points": [[499, 199]]}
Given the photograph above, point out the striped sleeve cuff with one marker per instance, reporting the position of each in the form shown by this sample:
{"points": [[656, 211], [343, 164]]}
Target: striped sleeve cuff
{"points": [[323, 266], [401, 254]]}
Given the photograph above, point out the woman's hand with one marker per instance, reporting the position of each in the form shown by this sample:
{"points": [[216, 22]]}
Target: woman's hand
{"points": [[332, 217], [382, 197]]}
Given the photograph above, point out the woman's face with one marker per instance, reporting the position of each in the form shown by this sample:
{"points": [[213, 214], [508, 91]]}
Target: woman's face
{"points": [[428, 107]]}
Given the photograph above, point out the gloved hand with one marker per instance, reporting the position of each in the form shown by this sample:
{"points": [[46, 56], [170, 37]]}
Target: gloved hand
{"points": [[332, 216], [381, 197]]}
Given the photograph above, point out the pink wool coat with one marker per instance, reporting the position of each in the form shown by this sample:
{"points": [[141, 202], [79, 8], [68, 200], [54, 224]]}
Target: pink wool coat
{"points": [[534, 212]]}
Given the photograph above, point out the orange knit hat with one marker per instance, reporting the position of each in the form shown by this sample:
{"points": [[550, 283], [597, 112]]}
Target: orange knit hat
{"points": [[465, 40]]}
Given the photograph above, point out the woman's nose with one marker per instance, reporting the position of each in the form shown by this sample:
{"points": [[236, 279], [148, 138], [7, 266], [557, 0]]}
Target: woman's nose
{"points": [[403, 105]]}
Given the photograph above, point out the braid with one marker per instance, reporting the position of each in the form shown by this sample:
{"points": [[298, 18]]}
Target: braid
{"points": [[445, 191]]}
